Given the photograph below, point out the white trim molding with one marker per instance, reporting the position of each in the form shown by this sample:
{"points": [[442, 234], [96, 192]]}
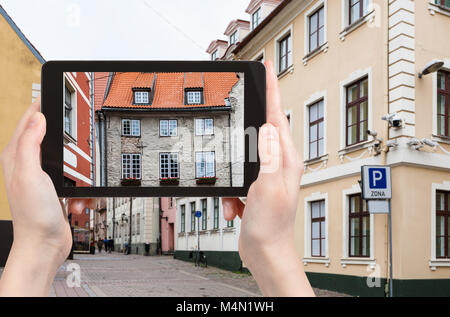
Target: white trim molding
{"points": [[308, 258], [346, 27], [433, 8], [434, 262], [259, 54], [354, 77], [346, 260], [308, 54]]}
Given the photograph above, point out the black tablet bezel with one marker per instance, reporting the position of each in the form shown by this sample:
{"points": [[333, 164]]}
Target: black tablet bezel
{"points": [[52, 145]]}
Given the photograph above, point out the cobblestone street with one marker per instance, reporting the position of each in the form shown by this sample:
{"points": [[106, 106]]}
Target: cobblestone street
{"points": [[133, 275]]}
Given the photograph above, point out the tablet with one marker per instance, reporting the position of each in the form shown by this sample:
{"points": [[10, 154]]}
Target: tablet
{"points": [[142, 129]]}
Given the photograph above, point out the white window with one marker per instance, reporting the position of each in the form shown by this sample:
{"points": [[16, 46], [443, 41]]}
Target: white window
{"points": [[214, 55], [204, 126], [131, 127], [283, 50], [233, 38], [353, 12], [205, 165], [194, 97], [256, 18], [141, 97], [168, 127], [70, 108], [131, 166], [67, 111], [168, 165]]}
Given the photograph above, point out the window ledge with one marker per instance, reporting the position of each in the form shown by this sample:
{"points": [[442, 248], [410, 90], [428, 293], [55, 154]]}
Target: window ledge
{"points": [[202, 232], [355, 147], [433, 8], [359, 261], [350, 28], [434, 264], [317, 51], [181, 234], [440, 138], [231, 229], [323, 158], [192, 233], [216, 230], [321, 260], [288, 70]]}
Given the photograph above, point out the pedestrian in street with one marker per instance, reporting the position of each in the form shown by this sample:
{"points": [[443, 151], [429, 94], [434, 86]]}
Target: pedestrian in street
{"points": [[268, 216], [105, 243], [99, 245], [110, 244]]}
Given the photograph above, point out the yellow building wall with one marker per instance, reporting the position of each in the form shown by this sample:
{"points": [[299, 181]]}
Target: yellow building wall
{"points": [[19, 69]]}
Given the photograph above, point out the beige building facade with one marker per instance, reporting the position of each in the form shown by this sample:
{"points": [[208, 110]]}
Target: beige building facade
{"points": [[342, 66]]}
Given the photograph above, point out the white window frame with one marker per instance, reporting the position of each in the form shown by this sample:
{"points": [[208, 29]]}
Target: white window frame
{"points": [[214, 55], [261, 53], [354, 77], [131, 158], [74, 116], [169, 132], [314, 98], [257, 11], [433, 8], [133, 130], [434, 263], [307, 16], [234, 37], [346, 259], [345, 18], [307, 257], [193, 97], [200, 126], [285, 32], [141, 100], [169, 168], [436, 136], [201, 157]]}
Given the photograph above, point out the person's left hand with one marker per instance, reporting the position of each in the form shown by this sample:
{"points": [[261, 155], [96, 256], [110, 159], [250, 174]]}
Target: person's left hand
{"points": [[39, 217]]}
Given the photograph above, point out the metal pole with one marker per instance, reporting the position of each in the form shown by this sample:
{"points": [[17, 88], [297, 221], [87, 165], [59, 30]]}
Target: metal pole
{"points": [[198, 240], [130, 220], [391, 289]]}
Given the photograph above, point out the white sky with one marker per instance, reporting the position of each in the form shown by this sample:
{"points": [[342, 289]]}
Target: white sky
{"points": [[124, 29]]}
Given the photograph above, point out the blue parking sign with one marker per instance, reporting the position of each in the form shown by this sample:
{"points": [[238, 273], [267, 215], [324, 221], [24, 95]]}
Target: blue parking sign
{"points": [[376, 182]]}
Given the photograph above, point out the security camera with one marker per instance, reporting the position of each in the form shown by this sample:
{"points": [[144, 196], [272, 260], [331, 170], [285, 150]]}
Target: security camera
{"points": [[372, 133], [394, 120], [429, 143], [415, 143], [392, 143]]}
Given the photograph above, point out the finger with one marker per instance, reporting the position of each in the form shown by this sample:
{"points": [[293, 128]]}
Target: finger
{"points": [[29, 144], [232, 207], [270, 154], [276, 117]]}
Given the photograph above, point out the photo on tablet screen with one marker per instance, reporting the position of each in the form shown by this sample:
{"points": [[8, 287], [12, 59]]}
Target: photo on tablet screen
{"points": [[152, 129]]}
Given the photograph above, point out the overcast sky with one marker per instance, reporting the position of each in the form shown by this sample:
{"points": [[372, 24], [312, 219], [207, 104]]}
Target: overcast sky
{"points": [[124, 29]]}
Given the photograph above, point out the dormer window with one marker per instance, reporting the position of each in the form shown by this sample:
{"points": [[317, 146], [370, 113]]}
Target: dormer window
{"points": [[233, 38], [256, 18], [141, 97], [214, 55], [194, 97]]}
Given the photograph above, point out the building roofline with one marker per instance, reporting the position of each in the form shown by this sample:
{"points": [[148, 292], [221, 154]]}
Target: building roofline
{"points": [[149, 109], [22, 36], [266, 21], [233, 24]]}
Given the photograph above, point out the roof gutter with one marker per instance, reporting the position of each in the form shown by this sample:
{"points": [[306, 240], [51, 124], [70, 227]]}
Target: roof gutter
{"points": [[110, 109]]}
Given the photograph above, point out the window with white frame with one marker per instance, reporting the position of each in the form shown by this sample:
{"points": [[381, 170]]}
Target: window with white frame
{"points": [[316, 27], [193, 216], [216, 213], [284, 52], [204, 126], [359, 227], [357, 9], [318, 233], [131, 127], [256, 18], [444, 3], [233, 38], [204, 214], [141, 97], [168, 165], [68, 115], [443, 103], [443, 224], [316, 130], [205, 165], [131, 166], [168, 127], [183, 218], [194, 97], [214, 55]]}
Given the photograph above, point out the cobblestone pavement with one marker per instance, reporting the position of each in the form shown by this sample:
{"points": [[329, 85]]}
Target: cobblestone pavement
{"points": [[133, 275]]}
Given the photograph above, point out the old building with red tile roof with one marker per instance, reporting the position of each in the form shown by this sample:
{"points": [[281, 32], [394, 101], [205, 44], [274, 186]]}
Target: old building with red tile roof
{"points": [[172, 129]]}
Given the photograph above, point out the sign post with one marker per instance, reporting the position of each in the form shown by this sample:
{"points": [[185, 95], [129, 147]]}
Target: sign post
{"points": [[377, 190], [198, 214]]}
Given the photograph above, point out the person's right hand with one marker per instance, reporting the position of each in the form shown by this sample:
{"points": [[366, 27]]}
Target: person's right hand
{"points": [[266, 242]]}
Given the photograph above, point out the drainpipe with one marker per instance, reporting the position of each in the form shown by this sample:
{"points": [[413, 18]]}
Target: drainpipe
{"points": [[229, 146], [159, 246], [385, 149]]}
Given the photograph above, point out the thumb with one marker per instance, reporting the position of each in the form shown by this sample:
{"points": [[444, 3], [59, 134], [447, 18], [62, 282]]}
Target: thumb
{"points": [[269, 150], [29, 149]]}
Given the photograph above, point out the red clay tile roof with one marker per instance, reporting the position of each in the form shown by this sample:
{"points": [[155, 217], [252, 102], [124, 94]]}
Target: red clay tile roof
{"points": [[100, 82], [169, 89]]}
